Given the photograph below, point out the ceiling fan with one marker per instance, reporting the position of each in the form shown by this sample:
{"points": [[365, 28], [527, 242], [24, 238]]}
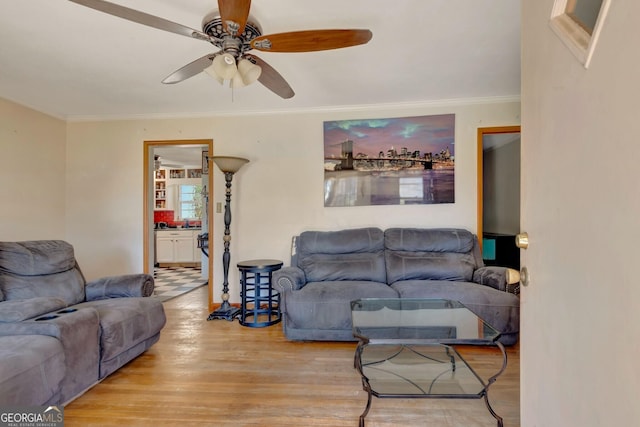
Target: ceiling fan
{"points": [[235, 33], [158, 162]]}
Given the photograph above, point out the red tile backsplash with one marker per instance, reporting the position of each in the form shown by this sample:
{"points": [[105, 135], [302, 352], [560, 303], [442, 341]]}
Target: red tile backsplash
{"points": [[163, 216], [168, 216]]}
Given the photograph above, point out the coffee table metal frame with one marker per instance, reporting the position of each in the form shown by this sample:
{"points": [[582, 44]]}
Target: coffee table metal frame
{"points": [[411, 336]]}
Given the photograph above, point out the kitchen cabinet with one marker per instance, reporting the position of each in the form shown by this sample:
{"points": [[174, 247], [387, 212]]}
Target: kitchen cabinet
{"points": [[177, 246]]}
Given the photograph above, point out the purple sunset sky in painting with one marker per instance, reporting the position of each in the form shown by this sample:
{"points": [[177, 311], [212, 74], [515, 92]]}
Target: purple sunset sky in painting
{"points": [[370, 136]]}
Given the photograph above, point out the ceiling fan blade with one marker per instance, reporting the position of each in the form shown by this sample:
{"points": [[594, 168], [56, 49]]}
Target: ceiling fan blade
{"points": [[271, 79], [190, 70], [311, 40], [236, 11], [144, 18]]}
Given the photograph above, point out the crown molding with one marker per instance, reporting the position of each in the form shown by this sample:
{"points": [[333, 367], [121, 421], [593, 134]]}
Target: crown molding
{"points": [[323, 110]]}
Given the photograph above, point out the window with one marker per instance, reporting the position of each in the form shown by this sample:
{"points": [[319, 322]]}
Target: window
{"points": [[578, 24], [190, 202], [584, 13]]}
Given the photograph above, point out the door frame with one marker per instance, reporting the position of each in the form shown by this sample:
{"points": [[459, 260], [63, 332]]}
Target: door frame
{"points": [[480, 170], [148, 202]]}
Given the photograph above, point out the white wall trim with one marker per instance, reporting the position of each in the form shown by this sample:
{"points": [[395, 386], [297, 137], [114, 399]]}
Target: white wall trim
{"points": [[371, 107]]}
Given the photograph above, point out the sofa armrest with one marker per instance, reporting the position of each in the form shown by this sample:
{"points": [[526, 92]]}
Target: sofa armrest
{"points": [[288, 279], [23, 309], [129, 285], [496, 277]]}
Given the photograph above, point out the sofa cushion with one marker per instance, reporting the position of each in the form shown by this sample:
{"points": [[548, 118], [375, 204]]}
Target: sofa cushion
{"points": [[67, 285], [327, 305], [32, 369], [125, 323], [40, 268], [403, 265], [354, 266], [499, 309], [429, 240], [353, 254], [36, 257], [341, 242]]}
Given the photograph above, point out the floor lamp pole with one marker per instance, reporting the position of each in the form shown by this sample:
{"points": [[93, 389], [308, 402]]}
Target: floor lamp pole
{"points": [[229, 166]]}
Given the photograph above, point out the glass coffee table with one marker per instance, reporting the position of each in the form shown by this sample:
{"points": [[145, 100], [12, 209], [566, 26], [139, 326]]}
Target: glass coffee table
{"points": [[406, 350]]}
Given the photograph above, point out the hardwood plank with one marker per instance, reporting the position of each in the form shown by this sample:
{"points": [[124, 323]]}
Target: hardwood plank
{"points": [[219, 373]]}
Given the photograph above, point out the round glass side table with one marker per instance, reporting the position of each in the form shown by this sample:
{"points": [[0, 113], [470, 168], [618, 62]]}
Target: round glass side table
{"points": [[260, 303]]}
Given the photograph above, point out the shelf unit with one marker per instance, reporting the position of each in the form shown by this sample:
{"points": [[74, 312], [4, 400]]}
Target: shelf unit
{"points": [[165, 183], [194, 173], [160, 189], [177, 173]]}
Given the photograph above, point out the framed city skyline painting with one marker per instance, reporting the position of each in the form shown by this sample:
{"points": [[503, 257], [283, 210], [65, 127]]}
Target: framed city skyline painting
{"points": [[393, 161]]}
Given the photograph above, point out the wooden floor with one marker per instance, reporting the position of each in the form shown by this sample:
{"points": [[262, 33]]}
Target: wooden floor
{"points": [[218, 373]]}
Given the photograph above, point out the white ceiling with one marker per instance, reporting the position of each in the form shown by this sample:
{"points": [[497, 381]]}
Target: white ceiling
{"points": [[77, 63], [180, 156]]}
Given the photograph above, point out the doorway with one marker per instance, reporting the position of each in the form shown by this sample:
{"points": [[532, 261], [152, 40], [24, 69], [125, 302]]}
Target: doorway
{"points": [[174, 166], [499, 195]]}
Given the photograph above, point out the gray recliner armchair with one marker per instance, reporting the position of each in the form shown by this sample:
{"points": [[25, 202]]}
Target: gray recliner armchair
{"points": [[60, 335]]}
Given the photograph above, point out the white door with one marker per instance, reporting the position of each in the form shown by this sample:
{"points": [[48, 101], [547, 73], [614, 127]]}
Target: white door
{"points": [[580, 322]]}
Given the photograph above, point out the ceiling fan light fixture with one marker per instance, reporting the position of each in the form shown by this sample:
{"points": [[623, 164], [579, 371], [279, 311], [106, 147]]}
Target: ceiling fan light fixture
{"points": [[209, 70], [224, 66], [248, 71], [237, 82]]}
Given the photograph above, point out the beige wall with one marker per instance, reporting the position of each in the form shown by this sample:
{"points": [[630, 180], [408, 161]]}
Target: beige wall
{"points": [[501, 189], [581, 206], [32, 172], [277, 195], [82, 181]]}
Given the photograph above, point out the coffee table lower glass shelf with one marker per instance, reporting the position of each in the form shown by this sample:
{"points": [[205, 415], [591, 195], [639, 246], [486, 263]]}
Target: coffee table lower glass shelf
{"points": [[406, 350]]}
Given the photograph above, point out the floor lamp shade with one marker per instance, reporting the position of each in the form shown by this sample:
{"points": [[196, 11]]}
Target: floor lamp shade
{"points": [[229, 163]]}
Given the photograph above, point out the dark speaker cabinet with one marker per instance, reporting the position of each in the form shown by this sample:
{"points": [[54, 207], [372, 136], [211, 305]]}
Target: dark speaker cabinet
{"points": [[501, 250]]}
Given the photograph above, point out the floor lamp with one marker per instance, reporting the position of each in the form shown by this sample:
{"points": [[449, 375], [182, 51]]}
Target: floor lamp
{"points": [[228, 166]]}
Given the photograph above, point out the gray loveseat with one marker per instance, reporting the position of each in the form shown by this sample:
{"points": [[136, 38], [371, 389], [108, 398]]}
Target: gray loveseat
{"points": [[329, 269], [60, 335]]}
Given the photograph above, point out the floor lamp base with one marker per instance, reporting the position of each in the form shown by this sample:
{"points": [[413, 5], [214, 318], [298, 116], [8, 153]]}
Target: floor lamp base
{"points": [[225, 312]]}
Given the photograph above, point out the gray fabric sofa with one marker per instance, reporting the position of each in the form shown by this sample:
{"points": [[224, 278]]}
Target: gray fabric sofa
{"points": [[60, 335], [329, 269]]}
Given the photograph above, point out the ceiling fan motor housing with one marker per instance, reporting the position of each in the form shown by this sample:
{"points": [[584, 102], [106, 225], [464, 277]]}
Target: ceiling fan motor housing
{"points": [[212, 25]]}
